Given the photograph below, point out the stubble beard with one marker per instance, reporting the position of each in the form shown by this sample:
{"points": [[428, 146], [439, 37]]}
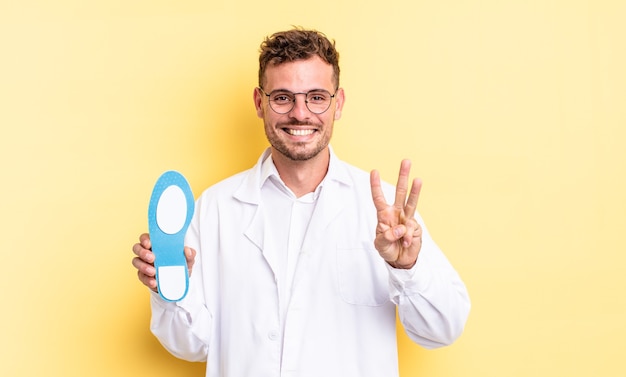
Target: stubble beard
{"points": [[297, 151]]}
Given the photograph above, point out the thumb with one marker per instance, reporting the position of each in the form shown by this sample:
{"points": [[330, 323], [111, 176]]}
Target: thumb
{"points": [[389, 237]]}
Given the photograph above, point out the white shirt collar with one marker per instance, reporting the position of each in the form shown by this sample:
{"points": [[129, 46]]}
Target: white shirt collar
{"points": [[250, 189], [270, 173]]}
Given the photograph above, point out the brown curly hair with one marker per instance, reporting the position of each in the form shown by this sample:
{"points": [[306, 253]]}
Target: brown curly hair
{"points": [[297, 44]]}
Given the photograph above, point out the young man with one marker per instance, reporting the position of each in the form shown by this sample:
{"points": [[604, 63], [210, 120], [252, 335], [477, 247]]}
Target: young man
{"points": [[300, 263]]}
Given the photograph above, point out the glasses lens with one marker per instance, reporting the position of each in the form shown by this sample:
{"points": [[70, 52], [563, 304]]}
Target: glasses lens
{"points": [[318, 101], [282, 102]]}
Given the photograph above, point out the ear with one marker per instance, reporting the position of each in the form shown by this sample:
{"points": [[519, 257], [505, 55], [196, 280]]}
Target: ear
{"points": [[258, 102], [340, 98]]}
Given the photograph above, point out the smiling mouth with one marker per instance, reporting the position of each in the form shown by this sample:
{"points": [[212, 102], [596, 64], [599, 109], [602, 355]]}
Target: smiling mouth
{"points": [[299, 132]]}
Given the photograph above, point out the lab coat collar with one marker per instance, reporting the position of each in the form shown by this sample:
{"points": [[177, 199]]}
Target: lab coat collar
{"points": [[331, 202]]}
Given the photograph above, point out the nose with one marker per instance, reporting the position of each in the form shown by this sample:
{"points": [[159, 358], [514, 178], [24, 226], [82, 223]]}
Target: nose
{"points": [[300, 109]]}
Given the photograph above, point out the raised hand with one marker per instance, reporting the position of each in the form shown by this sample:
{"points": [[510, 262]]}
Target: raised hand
{"points": [[398, 234]]}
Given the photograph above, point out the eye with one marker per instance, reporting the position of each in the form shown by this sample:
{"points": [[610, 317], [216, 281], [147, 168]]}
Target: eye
{"points": [[318, 97], [281, 98]]}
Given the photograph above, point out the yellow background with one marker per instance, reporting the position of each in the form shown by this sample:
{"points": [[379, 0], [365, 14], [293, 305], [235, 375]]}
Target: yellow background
{"points": [[513, 112]]}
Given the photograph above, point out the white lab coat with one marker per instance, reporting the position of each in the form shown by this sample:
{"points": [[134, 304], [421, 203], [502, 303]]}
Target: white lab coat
{"points": [[341, 317]]}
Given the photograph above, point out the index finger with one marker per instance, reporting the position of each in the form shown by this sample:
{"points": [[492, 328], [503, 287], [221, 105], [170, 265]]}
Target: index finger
{"points": [[144, 240], [377, 192]]}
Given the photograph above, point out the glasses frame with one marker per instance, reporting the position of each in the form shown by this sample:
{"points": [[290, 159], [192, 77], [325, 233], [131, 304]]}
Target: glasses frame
{"points": [[293, 103]]}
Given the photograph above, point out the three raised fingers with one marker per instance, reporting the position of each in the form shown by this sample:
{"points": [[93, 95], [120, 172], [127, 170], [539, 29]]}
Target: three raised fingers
{"points": [[406, 205]]}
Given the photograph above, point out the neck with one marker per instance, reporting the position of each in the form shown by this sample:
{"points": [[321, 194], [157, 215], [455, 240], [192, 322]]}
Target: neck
{"points": [[302, 177]]}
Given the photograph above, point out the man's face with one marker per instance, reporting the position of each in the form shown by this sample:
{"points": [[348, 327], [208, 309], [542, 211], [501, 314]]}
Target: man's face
{"points": [[299, 134]]}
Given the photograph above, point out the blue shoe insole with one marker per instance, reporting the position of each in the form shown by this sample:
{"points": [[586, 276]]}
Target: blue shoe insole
{"points": [[169, 214]]}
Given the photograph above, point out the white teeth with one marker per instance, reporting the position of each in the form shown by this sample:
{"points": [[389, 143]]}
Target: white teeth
{"points": [[299, 132]]}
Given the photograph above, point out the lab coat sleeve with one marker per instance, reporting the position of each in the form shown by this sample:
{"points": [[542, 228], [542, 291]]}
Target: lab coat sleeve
{"points": [[432, 300], [182, 328]]}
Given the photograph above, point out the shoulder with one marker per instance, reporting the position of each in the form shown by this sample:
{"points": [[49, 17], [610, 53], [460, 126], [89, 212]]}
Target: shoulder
{"points": [[358, 178], [226, 186]]}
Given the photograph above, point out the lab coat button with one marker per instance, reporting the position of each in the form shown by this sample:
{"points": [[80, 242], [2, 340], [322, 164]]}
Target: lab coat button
{"points": [[273, 335]]}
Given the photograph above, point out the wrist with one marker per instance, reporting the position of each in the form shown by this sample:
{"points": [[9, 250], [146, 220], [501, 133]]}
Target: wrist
{"points": [[402, 266]]}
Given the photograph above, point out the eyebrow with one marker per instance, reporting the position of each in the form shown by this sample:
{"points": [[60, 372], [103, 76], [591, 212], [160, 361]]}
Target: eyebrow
{"points": [[310, 90]]}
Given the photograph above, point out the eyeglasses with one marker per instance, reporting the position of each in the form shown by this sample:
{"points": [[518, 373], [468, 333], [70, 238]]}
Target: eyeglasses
{"points": [[283, 101]]}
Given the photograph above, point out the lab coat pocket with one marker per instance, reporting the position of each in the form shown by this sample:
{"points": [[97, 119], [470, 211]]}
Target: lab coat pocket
{"points": [[362, 277]]}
